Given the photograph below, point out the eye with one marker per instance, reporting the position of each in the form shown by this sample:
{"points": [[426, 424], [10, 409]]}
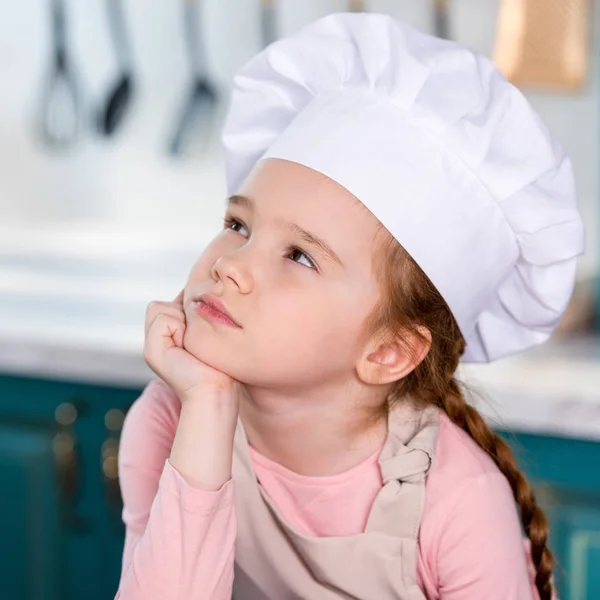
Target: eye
{"points": [[230, 223], [297, 251]]}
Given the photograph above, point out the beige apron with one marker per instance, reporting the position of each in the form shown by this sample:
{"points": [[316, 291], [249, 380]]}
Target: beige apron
{"points": [[273, 561]]}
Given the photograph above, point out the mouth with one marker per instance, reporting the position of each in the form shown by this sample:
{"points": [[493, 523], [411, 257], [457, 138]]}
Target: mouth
{"points": [[210, 306]]}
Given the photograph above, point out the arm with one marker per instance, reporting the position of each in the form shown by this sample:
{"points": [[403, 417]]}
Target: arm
{"points": [[180, 531], [480, 549]]}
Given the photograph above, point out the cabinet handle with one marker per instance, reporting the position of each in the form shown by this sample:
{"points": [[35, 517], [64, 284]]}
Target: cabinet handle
{"points": [[113, 420], [110, 470], [64, 446]]}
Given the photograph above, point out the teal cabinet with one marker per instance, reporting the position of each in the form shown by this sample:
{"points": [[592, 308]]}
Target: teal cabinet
{"points": [[577, 529], [566, 478], [29, 514], [60, 507], [60, 518]]}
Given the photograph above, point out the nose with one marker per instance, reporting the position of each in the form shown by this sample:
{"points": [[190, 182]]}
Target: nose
{"points": [[234, 268]]}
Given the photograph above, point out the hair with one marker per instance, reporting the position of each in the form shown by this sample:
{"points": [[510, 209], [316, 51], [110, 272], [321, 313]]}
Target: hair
{"points": [[409, 302]]}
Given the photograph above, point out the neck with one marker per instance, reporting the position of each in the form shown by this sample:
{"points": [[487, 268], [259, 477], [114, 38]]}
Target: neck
{"points": [[317, 438]]}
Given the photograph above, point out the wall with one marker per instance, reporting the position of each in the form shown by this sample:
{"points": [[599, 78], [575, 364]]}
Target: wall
{"points": [[129, 181]]}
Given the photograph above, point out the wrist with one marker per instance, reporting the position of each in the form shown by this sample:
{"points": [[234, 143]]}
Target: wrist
{"points": [[220, 411], [222, 398]]}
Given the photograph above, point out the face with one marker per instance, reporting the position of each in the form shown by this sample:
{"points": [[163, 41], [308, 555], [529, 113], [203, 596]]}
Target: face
{"points": [[301, 312]]}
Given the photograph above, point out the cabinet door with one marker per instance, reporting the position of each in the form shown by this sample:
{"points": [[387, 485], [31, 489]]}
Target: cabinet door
{"points": [[577, 532], [566, 480], [104, 494], [52, 435], [29, 515]]}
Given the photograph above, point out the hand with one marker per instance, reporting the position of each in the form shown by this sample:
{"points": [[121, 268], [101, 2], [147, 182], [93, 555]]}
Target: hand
{"points": [[165, 355]]}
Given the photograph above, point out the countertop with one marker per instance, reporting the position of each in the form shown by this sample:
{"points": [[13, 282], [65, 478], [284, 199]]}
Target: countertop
{"points": [[73, 301]]}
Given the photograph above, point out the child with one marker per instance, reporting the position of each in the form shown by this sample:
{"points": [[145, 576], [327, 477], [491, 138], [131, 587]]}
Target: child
{"points": [[395, 206]]}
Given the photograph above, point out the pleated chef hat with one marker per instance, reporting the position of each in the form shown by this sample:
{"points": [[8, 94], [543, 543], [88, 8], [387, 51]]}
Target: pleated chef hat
{"points": [[432, 139]]}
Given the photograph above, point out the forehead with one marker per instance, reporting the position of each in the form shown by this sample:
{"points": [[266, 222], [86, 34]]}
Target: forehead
{"points": [[284, 187], [287, 191]]}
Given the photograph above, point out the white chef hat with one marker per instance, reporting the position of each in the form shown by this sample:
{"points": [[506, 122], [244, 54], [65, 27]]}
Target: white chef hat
{"points": [[432, 139]]}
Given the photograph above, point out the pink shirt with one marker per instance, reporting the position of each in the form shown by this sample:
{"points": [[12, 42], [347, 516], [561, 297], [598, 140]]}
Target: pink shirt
{"points": [[180, 540]]}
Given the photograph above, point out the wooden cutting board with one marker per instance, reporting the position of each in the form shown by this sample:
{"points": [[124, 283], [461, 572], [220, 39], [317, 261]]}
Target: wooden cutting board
{"points": [[544, 43]]}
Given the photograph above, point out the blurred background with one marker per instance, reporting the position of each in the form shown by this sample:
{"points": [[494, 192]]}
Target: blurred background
{"points": [[111, 184]]}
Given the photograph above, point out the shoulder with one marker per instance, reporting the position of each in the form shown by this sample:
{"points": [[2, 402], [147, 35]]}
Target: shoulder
{"points": [[460, 468], [458, 456], [469, 505]]}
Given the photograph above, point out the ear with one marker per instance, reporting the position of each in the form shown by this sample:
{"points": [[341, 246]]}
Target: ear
{"points": [[386, 362]]}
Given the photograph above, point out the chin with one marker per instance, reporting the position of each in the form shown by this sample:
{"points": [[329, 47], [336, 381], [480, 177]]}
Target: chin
{"points": [[205, 348]]}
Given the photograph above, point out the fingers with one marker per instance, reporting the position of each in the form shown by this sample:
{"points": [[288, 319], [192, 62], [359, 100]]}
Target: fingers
{"points": [[169, 331], [155, 308], [164, 333]]}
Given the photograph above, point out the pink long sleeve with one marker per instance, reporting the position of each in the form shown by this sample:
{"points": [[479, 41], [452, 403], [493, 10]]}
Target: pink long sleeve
{"points": [[179, 541]]}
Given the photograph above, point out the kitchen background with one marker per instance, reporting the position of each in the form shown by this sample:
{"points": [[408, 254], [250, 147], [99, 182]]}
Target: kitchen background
{"points": [[95, 226]]}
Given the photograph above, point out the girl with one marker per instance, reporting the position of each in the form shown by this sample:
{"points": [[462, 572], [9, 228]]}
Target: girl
{"points": [[395, 206]]}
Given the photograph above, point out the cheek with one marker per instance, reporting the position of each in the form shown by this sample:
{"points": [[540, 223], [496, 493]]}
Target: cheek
{"points": [[299, 324], [200, 269]]}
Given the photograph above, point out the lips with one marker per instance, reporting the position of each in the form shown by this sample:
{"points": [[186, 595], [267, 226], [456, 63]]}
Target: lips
{"points": [[217, 305]]}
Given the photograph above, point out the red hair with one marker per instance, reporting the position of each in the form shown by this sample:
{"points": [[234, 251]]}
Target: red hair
{"points": [[410, 301]]}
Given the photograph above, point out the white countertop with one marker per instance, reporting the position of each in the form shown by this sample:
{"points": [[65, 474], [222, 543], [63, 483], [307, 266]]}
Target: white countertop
{"points": [[70, 309]]}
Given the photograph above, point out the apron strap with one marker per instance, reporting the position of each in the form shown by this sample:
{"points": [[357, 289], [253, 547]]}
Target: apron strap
{"points": [[405, 461]]}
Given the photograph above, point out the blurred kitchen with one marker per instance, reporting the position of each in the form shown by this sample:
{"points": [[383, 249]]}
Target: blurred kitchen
{"points": [[111, 184]]}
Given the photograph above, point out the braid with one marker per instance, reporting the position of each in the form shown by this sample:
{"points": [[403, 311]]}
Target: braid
{"points": [[533, 519]]}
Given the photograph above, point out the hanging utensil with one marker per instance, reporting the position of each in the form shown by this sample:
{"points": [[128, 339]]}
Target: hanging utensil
{"points": [[268, 22], [60, 115], [441, 19], [356, 6], [119, 98], [198, 112], [544, 43]]}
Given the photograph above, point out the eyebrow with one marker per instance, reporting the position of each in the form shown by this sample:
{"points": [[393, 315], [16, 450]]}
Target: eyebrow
{"points": [[309, 238]]}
